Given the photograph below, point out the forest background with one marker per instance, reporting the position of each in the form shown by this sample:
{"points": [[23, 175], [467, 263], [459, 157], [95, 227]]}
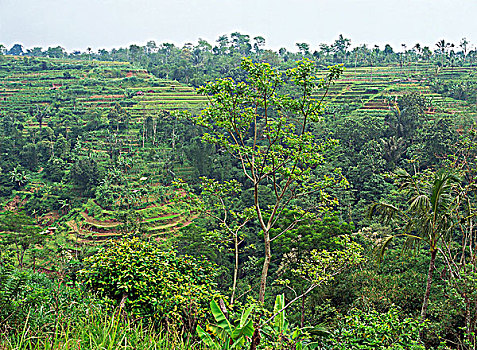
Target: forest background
{"points": [[349, 193]]}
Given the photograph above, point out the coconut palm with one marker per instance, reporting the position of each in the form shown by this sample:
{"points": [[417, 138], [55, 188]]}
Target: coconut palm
{"points": [[428, 218], [418, 54], [464, 45], [65, 205], [443, 47]]}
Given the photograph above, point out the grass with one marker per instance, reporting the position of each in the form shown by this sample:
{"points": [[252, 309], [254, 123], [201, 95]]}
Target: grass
{"points": [[162, 218], [97, 331]]}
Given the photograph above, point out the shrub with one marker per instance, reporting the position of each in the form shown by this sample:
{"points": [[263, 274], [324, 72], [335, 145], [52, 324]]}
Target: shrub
{"points": [[86, 174], [154, 283], [39, 300], [373, 330]]}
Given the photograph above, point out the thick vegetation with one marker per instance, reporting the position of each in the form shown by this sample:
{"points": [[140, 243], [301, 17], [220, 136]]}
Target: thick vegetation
{"points": [[281, 205]]}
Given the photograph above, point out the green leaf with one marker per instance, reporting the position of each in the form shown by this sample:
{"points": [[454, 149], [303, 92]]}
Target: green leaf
{"points": [[280, 318], [219, 316], [240, 333], [206, 338], [245, 315]]}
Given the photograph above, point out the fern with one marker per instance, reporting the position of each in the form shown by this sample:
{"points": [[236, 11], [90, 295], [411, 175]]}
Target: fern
{"points": [[12, 284]]}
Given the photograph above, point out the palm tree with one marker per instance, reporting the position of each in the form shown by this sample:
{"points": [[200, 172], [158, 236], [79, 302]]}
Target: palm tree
{"points": [[464, 44], [418, 50], [65, 205], [443, 47], [428, 219], [39, 113]]}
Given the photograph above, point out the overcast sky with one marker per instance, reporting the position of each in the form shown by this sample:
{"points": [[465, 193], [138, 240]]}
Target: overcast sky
{"points": [[78, 24]]}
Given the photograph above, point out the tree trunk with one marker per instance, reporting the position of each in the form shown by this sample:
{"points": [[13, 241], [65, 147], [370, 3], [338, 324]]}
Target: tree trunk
{"points": [[468, 317], [234, 285], [266, 264], [263, 284], [154, 126], [425, 302], [302, 320], [255, 338], [143, 133]]}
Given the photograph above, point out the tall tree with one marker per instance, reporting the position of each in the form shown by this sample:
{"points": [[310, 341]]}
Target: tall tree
{"points": [[464, 45], [16, 49], [151, 47], [21, 231], [241, 43], [304, 49], [428, 218], [258, 44], [341, 45], [268, 134], [223, 47], [443, 47]]}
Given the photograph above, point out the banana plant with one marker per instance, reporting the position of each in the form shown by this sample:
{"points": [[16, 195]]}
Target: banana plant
{"points": [[223, 335], [280, 330]]}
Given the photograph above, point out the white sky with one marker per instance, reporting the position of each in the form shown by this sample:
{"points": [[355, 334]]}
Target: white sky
{"points": [[78, 24]]}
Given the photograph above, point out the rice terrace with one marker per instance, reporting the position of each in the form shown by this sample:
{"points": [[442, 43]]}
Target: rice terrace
{"points": [[240, 191]]}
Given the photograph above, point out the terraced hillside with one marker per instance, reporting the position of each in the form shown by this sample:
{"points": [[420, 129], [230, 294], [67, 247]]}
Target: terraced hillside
{"points": [[30, 85], [81, 85], [126, 114], [46, 94], [96, 224], [373, 89]]}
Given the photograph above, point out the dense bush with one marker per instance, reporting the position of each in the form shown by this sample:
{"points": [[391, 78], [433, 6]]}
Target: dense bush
{"points": [[39, 300], [38, 311], [86, 174], [374, 330], [151, 282]]}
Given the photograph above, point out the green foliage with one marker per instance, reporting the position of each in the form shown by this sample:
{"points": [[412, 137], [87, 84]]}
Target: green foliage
{"points": [[21, 232], [320, 266], [280, 334], [268, 133], [369, 329], [226, 336], [96, 330], [152, 282], [34, 299], [43, 313], [86, 174], [232, 331], [398, 280], [11, 286], [56, 140], [309, 234], [55, 169], [460, 89], [20, 177], [430, 215]]}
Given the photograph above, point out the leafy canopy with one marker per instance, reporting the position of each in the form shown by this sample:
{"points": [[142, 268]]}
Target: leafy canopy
{"points": [[152, 282]]}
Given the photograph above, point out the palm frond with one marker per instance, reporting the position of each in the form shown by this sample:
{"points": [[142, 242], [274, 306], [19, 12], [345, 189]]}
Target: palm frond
{"points": [[381, 247], [406, 181], [383, 211], [419, 203], [412, 243]]}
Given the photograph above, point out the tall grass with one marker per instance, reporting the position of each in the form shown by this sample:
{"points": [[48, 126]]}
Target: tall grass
{"points": [[96, 331]]}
